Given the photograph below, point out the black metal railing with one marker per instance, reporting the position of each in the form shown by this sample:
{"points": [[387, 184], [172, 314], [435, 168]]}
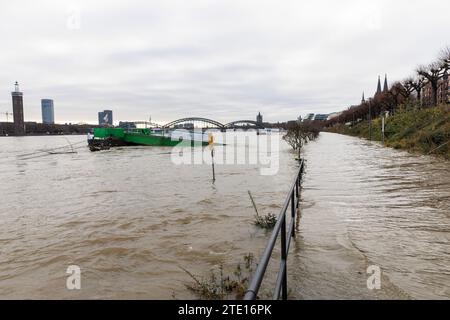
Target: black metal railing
{"points": [[292, 201]]}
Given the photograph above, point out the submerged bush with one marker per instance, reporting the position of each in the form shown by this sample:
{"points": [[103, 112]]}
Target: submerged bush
{"points": [[219, 286], [267, 222]]}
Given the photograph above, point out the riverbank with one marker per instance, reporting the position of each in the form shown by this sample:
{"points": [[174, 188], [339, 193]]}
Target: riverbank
{"points": [[41, 129], [425, 131]]}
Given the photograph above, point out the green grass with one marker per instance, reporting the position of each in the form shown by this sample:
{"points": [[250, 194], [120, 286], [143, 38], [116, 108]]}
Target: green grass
{"points": [[426, 131]]}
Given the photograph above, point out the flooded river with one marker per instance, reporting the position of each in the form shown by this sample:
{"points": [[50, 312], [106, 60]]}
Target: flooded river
{"points": [[367, 205], [131, 219]]}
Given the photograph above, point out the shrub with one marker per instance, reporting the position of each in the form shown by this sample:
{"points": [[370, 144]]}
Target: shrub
{"points": [[267, 222], [219, 286]]}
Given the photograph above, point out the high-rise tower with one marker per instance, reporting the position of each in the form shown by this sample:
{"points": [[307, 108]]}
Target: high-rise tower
{"points": [[105, 118], [17, 100], [48, 111]]}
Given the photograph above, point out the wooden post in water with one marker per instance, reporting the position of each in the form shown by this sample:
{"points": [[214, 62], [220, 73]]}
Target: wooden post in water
{"points": [[214, 173], [253, 202]]}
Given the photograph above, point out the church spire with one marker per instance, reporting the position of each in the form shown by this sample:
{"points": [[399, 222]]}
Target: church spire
{"points": [[386, 87], [363, 100], [379, 86]]}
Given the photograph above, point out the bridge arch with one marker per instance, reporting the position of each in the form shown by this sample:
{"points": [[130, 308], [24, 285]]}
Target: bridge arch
{"points": [[210, 121]]}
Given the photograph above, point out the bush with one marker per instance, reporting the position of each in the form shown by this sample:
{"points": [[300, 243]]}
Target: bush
{"points": [[218, 286], [267, 222]]}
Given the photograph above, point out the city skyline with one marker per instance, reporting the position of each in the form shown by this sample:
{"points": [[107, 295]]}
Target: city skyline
{"points": [[224, 61]]}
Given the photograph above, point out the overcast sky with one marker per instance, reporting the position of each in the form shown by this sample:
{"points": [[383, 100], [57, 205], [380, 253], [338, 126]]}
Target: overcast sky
{"points": [[224, 60]]}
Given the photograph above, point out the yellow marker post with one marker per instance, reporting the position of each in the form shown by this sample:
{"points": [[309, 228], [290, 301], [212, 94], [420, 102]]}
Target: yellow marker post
{"points": [[210, 140], [211, 146]]}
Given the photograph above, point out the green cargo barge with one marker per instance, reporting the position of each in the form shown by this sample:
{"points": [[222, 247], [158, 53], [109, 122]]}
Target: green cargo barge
{"points": [[104, 138]]}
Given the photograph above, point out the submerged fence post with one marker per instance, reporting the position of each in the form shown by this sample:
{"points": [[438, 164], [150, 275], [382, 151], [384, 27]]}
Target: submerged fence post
{"points": [[278, 231], [284, 259], [293, 208]]}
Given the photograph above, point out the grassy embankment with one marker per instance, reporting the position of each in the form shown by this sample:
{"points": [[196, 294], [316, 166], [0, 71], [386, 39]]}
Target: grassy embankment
{"points": [[426, 131]]}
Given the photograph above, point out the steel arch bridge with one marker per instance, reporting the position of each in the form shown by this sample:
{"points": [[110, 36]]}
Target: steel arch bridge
{"points": [[210, 121], [235, 124]]}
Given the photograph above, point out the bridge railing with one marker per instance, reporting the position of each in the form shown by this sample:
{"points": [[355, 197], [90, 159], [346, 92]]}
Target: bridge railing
{"points": [[292, 203]]}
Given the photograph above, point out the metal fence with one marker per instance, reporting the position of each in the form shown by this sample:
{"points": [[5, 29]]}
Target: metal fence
{"points": [[292, 202]]}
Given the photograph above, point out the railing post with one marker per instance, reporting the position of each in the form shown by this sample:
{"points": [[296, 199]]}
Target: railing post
{"points": [[284, 258], [279, 231], [293, 208]]}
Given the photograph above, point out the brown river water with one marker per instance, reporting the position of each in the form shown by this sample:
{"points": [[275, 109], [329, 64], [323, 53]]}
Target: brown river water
{"points": [[131, 219]]}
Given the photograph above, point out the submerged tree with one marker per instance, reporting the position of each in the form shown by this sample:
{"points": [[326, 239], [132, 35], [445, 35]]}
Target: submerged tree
{"points": [[300, 133]]}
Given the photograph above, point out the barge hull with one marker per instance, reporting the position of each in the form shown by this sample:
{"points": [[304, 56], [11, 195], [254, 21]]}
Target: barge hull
{"points": [[140, 137]]}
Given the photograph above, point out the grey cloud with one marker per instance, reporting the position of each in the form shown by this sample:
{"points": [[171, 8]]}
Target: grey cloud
{"points": [[220, 59]]}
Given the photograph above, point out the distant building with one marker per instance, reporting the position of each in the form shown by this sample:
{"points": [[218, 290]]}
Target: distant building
{"points": [[17, 101], [309, 117], [48, 112], [385, 87], [259, 118], [185, 126], [105, 118], [321, 117], [378, 87], [443, 92], [334, 115], [127, 125], [100, 118]]}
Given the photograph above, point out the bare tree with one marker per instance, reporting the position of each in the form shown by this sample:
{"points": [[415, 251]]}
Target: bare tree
{"points": [[391, 99], [432, 73], [300, 133], [417, 84], [408, 88], [444, 58], [294, 137], [387, 101]]}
